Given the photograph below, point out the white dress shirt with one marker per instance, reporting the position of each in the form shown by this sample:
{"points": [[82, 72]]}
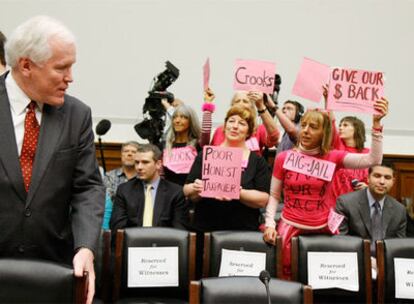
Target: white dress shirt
{"points": [[18, 108]]}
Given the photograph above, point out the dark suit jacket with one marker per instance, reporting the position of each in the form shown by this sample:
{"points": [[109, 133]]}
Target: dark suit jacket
{"points": [[170, 207], [64, 206], [355, 207]]}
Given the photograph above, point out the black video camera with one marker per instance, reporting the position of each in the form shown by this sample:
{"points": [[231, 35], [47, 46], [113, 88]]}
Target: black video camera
{"points": [[276, 88], [152, 128]]}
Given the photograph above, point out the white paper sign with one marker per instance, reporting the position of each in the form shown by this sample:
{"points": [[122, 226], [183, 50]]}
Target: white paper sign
{"points": [[333, 270], [241, 263], [404, 278], [152, 266]]}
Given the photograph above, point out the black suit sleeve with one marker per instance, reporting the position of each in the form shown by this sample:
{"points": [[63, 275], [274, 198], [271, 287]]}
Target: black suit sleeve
{"points": [[88, 193], [180, 217], [341, 209], [402, 228], [119, 217]]}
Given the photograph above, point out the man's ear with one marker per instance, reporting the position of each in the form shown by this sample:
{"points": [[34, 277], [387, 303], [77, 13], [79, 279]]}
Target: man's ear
{"points": [[25, 66], [159, 164]]}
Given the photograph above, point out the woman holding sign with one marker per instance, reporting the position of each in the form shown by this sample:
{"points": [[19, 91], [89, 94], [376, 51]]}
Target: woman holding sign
{"points": [[304, 174], [185, 139], [222, 213], [349, 136]]}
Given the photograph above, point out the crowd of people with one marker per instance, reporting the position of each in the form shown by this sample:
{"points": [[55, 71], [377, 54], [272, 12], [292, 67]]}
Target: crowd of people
{"points": [[54, 201]]}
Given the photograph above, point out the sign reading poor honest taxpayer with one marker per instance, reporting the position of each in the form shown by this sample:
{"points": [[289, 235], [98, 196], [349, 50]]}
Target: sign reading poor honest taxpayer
{"points": [[354, 90], [254, 75], [221, 172]]}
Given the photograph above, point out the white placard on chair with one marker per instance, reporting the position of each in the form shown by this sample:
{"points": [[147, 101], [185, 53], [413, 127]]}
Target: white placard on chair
{"points": [[241, 263], [152, 266], [404, 278], [333, 270]]}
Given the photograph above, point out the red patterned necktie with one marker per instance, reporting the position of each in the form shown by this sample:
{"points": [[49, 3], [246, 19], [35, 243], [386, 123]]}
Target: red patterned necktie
{"points": [[31, 133]]}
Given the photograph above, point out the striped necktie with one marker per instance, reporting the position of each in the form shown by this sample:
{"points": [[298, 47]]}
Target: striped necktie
{"points": [[376, 226]]}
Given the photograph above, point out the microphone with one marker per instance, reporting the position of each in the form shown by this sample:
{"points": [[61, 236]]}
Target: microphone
{"points": [[264, 277], [101, 129]]}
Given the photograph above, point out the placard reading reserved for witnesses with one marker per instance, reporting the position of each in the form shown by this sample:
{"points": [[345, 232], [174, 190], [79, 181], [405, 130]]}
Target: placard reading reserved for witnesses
{"points": [[241, 263], [152, 266], [333, 270]]}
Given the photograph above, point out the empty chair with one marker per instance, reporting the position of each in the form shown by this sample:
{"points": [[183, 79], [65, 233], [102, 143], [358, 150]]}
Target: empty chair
{"points": [[303, 245], [38, 281], [156, 238], [247, 290], [387, 251], [249, 241]]}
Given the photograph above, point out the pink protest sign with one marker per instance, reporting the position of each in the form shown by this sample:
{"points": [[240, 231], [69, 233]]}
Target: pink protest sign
{"points": [[252, 144], [221, 172], [311, 78], [179, 160], [354, 90], [254, 75], [308, 165], [334, 220], [206, 74]]}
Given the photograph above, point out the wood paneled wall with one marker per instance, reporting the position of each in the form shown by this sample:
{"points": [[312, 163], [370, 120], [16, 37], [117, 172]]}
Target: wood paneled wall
{"points": [[403, 165]]}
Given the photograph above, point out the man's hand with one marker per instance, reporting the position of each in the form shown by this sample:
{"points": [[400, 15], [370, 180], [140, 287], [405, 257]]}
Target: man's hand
{"points": [[83, 261]]}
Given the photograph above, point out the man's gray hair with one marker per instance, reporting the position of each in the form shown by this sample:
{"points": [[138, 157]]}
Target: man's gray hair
{"points": [[31, 39], [130, 143]]}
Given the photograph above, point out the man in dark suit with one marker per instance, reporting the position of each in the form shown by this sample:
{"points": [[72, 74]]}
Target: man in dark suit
{"points": [[2, 57], [359, 208], [166, 207], [51, 193]]}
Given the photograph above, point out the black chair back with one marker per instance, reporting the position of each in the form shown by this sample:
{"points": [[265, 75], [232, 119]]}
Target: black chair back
{"points": [[154, 237], [38, 281], [322, 243], [103, 267], [248, 290], [387, 250], [243, 241]]}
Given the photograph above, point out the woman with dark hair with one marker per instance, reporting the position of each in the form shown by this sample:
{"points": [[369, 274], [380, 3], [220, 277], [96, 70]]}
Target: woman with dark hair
{"points": [[349, 137], [307, 198]]}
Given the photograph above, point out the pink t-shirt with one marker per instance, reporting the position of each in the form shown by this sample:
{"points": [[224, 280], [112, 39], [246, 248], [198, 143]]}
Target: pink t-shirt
{"points": [[255, 143], [305, 199], [341, 183]]}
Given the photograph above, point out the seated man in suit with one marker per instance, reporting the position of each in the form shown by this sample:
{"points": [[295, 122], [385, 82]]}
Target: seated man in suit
{"points": [[359, 208], [370, 213], [149, 200]]}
